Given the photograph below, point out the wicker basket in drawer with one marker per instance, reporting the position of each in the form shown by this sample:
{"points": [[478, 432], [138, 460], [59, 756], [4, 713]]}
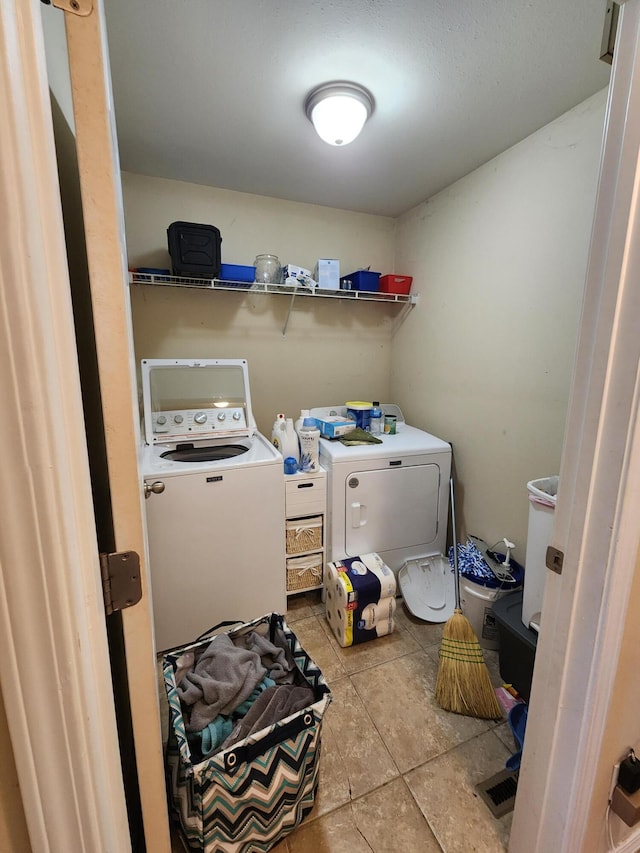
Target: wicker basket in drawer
{"points": [[303, 572], [304, 534]]}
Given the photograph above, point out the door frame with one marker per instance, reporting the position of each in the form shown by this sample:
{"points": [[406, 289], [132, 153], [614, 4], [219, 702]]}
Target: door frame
{"points": [[104, 234]]}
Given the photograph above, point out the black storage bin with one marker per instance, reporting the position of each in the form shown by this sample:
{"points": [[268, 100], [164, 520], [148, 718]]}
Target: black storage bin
{"points": [[517, 643], [194, 249]]}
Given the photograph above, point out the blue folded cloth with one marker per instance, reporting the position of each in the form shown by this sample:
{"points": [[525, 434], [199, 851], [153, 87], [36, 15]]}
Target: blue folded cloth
{"points": [[215, 734]]}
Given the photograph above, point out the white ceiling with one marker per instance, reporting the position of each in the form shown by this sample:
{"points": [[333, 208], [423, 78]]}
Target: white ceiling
{"points": [[212, 91]]}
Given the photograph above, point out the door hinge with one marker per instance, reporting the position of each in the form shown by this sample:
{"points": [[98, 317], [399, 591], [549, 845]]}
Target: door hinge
{"points": [[121, 582], [554, 560], [76, 7], [609, 32]]}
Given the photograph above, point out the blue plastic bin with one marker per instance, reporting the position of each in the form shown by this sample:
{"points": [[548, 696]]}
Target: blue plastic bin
{"points": [[364, 280], [237, 274]]}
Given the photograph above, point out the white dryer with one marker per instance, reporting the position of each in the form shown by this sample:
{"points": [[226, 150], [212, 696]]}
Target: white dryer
{"points": [[214, 489], [392, 498]]}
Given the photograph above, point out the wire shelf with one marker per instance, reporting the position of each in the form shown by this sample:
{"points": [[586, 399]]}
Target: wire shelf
{"points": [[276, 289]]}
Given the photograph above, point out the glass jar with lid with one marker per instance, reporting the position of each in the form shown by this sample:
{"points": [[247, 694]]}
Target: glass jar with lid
{"points": [[268, 269]]}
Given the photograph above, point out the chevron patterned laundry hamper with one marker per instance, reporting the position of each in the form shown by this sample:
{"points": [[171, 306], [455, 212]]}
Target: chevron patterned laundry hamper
{"points": [[249, 796]]}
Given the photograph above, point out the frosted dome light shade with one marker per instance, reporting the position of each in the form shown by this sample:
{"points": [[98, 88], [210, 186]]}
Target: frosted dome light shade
{"points": [[338, 111], [339, 119]]}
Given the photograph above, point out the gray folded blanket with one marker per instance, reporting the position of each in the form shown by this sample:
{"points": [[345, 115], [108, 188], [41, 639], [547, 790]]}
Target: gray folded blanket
{"points": [[223, 677], [274, 658], [273, 705]]}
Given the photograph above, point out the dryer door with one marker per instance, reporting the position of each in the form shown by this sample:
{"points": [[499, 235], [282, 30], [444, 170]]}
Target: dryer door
{"points": [[391, 508]]}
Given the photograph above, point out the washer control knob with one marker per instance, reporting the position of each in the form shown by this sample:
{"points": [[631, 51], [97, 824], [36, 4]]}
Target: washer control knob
{"points": [[236, 416], [222, 416], [161, 420], [178, 419], [200, 417]]}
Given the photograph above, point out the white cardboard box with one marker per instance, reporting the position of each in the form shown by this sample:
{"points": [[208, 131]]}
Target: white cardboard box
{"points": [[327, 274]]}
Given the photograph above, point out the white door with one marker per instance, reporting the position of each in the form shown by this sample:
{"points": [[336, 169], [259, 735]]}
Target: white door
{"points": [[583, 712]]}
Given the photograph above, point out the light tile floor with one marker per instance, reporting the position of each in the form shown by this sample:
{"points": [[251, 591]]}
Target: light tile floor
{"points": [[397, 772]]}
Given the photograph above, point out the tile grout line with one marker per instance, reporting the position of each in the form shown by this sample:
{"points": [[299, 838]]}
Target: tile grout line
{"points": [[350, 675], [491, 727], [433, 757], [425, 817]]}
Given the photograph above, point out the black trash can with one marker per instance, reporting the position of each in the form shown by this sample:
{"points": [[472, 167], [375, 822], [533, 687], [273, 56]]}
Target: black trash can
{"points": [[517, 643]]}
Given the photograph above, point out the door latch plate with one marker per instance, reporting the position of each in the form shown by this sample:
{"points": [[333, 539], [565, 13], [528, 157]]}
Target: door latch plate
{"points": [[554, 560]]}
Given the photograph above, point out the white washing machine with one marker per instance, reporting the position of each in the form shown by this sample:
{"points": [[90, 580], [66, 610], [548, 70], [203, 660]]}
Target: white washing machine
{"points": [[214, 490], [392, 498]]}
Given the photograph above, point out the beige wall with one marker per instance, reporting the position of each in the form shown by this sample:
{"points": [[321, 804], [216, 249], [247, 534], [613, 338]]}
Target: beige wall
{"points": [[333, 350], [485, 360]]}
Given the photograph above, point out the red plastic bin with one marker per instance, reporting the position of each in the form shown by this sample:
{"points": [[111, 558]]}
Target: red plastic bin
{"points": [[395, 283]]}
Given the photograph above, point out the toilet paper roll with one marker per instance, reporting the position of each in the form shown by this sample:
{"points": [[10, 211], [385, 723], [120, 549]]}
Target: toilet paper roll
{"points": [[347, 632], [368, 618], [358, 581], [352, 626], [384, 628], [372, 614], [385, 575], [341, 623]]}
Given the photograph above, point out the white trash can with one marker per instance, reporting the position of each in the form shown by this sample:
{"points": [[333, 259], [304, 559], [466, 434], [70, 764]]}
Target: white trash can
{"points": [[542, 504], [477, 602]]}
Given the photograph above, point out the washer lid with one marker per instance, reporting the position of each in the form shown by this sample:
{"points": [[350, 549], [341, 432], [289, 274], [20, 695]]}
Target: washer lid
{"points": [[195, 399]]}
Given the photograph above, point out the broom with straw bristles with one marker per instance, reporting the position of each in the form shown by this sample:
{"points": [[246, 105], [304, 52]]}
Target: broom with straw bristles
{"points": [[463, 685]]}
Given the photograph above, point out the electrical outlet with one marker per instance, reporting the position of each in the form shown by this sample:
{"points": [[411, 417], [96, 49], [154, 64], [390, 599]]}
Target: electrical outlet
{"points": [[614, 780]]}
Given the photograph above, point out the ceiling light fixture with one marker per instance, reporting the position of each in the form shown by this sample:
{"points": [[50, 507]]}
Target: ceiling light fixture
{"points": [[338, 111]]}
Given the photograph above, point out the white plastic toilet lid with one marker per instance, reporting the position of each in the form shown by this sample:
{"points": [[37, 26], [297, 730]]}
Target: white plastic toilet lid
{"points": [[428, 588]]}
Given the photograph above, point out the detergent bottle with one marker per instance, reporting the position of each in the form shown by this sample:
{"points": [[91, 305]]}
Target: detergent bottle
{"points": [[289, 446], [279, 426], [304, 413], [309, 445]]}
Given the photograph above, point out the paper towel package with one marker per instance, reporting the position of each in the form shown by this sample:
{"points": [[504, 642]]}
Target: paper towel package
{"points": [[360, 598]]}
